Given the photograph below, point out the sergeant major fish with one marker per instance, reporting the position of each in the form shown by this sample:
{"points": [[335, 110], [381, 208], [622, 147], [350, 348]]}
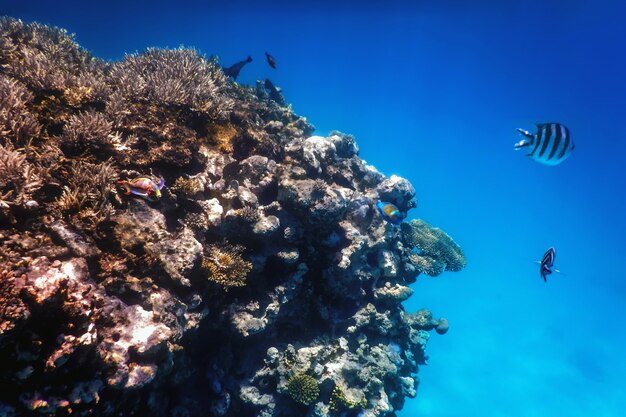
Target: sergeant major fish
{"points": [[550, 145], [143, 187], [546, 265]]}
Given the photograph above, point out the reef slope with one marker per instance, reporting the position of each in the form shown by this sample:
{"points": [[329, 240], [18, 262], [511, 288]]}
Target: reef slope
{"points": [[262, 281]]}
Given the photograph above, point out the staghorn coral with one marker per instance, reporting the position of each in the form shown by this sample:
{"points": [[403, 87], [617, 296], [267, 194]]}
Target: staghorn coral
{"points": [[186, 187], [87, 189], [226, 266], [303, 389], [179, 77], [49, 58], [440, 251], [17, 124], [18, 178], [87, 131]]}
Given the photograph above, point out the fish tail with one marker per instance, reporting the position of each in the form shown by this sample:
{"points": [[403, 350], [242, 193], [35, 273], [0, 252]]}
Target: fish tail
{"points": [[525, 133], [126, 187]]}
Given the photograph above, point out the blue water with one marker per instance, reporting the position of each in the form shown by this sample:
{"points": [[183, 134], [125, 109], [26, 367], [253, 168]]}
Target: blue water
{"points": [[433, 92]]}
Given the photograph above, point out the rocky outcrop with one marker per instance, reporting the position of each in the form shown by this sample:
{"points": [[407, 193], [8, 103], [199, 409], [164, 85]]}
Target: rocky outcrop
{"points": [[263, 261]]}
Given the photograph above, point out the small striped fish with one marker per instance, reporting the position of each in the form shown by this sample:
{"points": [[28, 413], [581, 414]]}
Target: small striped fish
{"points": [[551, 145], [546, 265]]}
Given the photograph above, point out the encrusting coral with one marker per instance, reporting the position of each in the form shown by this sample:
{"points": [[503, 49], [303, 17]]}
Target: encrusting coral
{"points": [[263, 283]]}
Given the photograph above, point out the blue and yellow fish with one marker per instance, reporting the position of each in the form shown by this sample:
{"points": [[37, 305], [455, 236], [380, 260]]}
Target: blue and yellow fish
{"points": [[390, 212], [143, 187]]}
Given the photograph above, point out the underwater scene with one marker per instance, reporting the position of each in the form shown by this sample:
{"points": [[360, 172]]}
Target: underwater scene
{"points": [[313, 209]]}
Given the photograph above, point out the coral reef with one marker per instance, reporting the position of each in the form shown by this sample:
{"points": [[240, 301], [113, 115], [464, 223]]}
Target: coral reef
{"points": [[264, 282]]}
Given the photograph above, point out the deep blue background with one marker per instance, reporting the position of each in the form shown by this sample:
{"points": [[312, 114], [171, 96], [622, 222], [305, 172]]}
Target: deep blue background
{"points": [[433, 92]]}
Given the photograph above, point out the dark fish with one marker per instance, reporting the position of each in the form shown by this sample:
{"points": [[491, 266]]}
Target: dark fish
{"points": [[550, 145], [233, 70], [546, 266], [270, 60], [390, 212]]}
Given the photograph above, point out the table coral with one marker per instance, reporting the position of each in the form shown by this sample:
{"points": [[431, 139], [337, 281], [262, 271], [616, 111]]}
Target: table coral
{"points": [[435, 244]]}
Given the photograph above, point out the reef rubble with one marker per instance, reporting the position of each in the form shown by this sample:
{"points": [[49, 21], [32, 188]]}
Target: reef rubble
{"points": [[262, 282]]}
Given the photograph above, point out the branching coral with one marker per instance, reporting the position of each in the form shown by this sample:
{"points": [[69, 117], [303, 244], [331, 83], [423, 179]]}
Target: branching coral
{"points": [[186, 187], [173, 77], [338, 402], [248, 214], [226, 265], [87, 130], [49, 58], [87, 189], [197, 221], [18, 179], [433, 244], [303, 389], [16, 122]]}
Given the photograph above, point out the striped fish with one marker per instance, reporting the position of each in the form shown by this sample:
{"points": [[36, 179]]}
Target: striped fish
{"points": [[546, 266], [551, 145]]}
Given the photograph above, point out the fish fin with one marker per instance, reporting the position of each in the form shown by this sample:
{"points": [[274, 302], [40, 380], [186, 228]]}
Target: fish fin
{"points": [[161, 183]]}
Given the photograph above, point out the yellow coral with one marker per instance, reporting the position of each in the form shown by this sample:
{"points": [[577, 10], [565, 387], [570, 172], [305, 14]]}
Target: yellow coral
{"points": [[223, 135], [186, 186], [226, 266], [75, 96], [303, 389], [338, 401]]}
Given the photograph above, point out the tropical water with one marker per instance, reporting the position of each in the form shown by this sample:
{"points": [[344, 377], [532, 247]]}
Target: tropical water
{"points": [[433, 91]]}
